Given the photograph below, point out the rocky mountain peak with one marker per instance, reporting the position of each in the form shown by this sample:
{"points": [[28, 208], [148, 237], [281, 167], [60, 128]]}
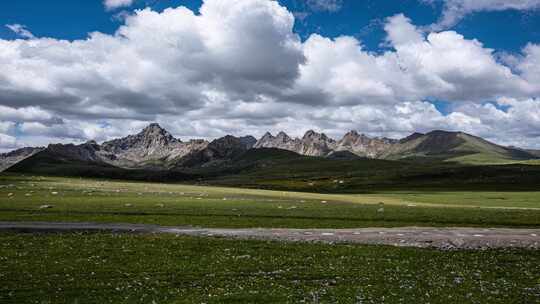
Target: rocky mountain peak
{"points": [[316, 144], [153, 143], [155, 131], [413, 136], [363, 145], [281, 141], [151, 137], [351, 138], [267, 136], [312, 135], [85, 152], [155, 148], [93, 144], [153, 126], [352, 134], [248, 141], [283, 137], [225, 140]]}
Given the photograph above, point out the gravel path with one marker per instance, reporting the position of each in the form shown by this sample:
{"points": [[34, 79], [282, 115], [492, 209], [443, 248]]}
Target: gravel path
{"points": [[424, 237]]}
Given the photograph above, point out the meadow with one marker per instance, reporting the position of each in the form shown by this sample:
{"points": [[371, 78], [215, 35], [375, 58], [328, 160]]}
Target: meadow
{"points": [[151, 268], [38, 198], [122, 268]]}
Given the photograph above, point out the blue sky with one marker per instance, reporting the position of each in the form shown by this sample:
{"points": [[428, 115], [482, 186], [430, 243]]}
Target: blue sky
{"points": [[508, 30], [383, 67]]}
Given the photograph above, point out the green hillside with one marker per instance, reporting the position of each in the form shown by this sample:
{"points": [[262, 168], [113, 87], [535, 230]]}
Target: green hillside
{"points": [[315, 174], [50, 163], [456, 147]]}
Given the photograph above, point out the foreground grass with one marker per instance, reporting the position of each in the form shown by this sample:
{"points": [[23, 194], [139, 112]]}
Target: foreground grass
{"points": [[106, 268], [75, 199]]}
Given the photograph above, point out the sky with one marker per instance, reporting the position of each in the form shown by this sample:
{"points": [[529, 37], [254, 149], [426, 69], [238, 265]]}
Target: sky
{"points": [[73, 71]]}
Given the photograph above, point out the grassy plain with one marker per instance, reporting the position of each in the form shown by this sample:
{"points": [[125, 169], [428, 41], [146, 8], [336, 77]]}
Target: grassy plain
{"points": [[24, 198], [121, 268], [106, 268]]}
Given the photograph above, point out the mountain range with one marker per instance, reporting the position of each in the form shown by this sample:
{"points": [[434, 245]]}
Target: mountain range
{"points": [[154, 148]]}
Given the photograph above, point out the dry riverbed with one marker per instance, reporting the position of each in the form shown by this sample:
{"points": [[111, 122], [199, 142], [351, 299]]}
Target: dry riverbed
{"points": [[422, 237]]}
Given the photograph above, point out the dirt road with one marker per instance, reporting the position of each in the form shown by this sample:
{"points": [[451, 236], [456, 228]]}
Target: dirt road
{"points": [[424, 237]]}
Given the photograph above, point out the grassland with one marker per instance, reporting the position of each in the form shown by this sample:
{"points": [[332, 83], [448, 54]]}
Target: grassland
{"points": [[25, 198], [105, 268], [121, 268]]}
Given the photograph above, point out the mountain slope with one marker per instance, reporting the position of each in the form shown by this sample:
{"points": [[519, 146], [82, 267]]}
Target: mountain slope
{"points": [[215, 153], [155, 149], [152, 147], [532, 152], [9, 159], [311, 144], [63, 159], [433, 146], [363, 145], [453, 146], [86, 161], [281, 141]]}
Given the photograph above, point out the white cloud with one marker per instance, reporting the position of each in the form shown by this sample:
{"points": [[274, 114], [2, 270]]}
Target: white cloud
{"points": [[238, 67], [6, 126], [27, 114], [530, 65], [455, 68], [507, 121], [158, 62], [114, 4], [455, 10], [325, 5], [443, 66], [7, 142], [20, 30], [401, 31]]}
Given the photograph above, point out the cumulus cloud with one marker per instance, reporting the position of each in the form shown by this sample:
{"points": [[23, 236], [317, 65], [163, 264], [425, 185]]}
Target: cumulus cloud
{"points": [[114, 4], [443, 66], [455, 10], [237, 67], [28, 114], [530, 64], [157, 63]]}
